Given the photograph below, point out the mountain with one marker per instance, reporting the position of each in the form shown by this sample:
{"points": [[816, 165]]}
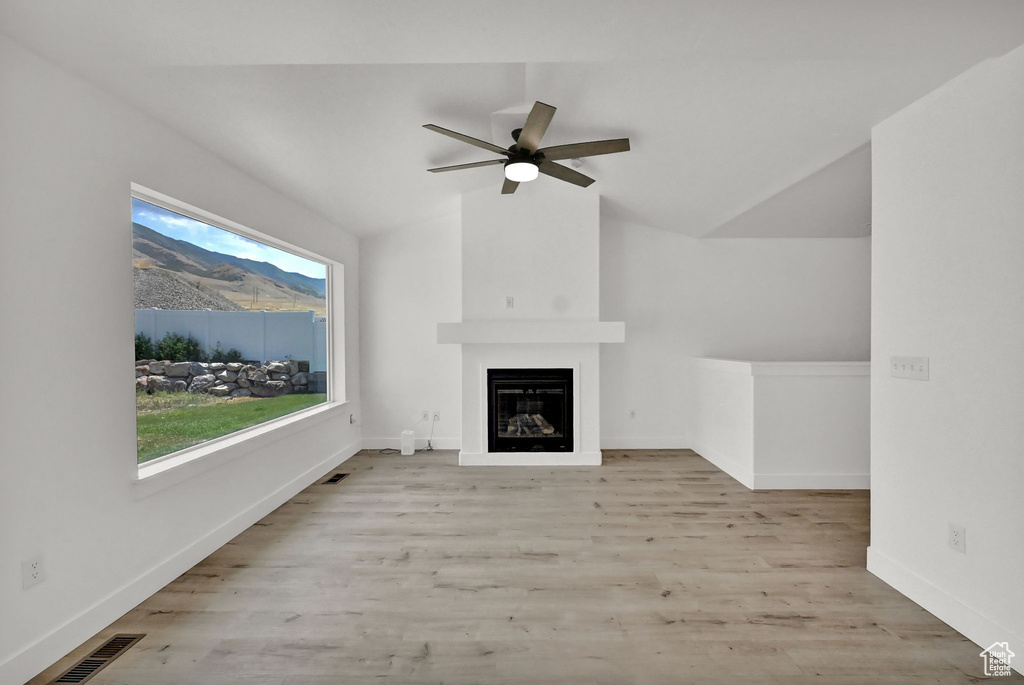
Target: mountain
{"points": [[178, 255]]}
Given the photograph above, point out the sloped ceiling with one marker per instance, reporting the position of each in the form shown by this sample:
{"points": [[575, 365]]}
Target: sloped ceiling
{"points": [[747, 118]]}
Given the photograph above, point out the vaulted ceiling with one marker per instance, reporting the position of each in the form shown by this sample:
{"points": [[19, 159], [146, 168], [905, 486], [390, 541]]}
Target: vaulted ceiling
{"points": [[747, 118]]}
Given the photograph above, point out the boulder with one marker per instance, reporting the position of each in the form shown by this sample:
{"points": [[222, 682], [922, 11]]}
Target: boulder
{"points": [[234, 366], [300, 378], [202, 383], [241, 392], [227, 376], [178, 369], [279, 377], [277, 367], [165, 384], [303, 367], [141, 383], [271, 389], [242, 380], [300, 388], [217, 366], [293, 368], [157, 368], [223, 390], [142, 370], [257, 376], [198, 369], [144, 362]]}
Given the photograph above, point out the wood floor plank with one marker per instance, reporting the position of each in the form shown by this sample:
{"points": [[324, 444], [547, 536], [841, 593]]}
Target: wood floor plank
{"points": [[655, 568]]}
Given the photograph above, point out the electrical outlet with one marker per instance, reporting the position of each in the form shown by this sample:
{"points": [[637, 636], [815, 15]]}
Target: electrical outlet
{"points": [[437, 414], [424, 415], [32, 572], [958, 538], [913, 368], [510, 302]]}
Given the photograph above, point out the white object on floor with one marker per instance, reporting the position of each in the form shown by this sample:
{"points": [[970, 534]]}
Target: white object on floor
{"points": [[408, 443]]}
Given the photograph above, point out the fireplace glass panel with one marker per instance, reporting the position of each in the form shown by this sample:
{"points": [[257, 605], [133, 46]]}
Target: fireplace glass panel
{"points": [[529, 410]]}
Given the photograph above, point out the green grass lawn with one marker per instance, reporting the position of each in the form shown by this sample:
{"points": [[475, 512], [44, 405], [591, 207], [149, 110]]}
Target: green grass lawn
{"points": [[168, 422]]}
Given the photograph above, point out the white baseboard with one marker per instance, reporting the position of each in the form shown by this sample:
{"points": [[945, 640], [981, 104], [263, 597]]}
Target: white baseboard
{"points": [[38, 656], [812, 481], [744, 475], [977, 628], [668, 443], [396, 443], [529, 458]]}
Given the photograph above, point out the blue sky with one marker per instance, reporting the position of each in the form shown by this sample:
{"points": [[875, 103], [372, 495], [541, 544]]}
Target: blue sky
{"points": [[184, 228]]}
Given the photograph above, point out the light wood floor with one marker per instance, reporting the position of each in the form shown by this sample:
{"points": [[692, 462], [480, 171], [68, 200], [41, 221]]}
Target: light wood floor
{"points": [[654, 568]]}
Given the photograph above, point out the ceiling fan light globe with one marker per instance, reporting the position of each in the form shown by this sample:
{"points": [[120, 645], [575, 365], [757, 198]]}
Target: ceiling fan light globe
{"points": [[521, 172]]}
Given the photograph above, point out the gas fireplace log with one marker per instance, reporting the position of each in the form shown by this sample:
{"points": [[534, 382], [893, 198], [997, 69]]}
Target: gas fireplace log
{"points": [[542, 423]]}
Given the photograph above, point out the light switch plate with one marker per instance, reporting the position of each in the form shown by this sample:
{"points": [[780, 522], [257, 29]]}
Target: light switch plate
{"points": [[913, 368]]}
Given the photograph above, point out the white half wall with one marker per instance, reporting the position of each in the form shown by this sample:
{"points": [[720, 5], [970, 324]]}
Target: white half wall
{"points": [[948, 284], [766, 300], [411, 279], [70, 153], [783, 425]]}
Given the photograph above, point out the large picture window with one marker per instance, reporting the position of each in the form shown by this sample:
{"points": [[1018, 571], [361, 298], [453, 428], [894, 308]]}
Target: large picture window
{"points": [[230, 331]]}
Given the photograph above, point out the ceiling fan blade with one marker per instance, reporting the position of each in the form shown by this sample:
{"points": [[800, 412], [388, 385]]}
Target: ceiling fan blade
{"points": [[471, 165], [564, 173], [597, 147], [509, 187], [467, 139], [535, 127]]}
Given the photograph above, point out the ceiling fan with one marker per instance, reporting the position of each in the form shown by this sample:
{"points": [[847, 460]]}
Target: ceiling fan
{"points": [[525, 158]]}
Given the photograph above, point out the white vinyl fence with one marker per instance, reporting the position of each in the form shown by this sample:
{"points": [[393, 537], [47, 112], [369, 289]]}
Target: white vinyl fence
{"points": [[259, 336]]}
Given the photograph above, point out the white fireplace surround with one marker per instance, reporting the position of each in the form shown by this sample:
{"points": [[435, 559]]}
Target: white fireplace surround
{"points": [[582, 357], [531, 300]]}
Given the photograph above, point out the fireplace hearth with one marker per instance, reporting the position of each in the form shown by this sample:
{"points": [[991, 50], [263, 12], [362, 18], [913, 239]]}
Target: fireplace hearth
{"points": [[529, 410]]}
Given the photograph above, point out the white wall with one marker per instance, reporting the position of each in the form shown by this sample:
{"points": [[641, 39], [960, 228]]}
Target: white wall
{"points": [[721, 418], [812, 427], [772, 300], [70, 152], [948, 283], [763, 300], [539, 245], [411, 280]]}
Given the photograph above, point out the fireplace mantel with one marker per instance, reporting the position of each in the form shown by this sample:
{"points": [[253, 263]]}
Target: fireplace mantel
{"points": [[514, 332]]}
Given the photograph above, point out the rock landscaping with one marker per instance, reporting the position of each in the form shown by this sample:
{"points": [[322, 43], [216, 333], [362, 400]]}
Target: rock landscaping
{"points": [[235, 379]]}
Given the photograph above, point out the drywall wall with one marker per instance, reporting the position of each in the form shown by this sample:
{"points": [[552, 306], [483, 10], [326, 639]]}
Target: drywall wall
{"points": [[782, 425], [772, 300], [721, 416], [539, 246], [411, 280], [947, 283], [761, 300], [70, 153]]}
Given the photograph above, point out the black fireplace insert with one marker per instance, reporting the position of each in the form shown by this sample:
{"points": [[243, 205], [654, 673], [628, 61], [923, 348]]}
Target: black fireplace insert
{"points": [[529, 410]]}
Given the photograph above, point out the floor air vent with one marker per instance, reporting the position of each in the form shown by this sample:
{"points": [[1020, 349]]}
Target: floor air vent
{"points": [[99, 659], [335, 478]]}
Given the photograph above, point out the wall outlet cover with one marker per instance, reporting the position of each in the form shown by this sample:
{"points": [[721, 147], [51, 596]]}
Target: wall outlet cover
{"points": [[911, 368], [32, 572], [958, 538]]}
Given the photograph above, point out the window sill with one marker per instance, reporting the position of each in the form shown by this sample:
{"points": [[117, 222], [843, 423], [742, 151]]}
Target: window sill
{"points": [[155, 476]]}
